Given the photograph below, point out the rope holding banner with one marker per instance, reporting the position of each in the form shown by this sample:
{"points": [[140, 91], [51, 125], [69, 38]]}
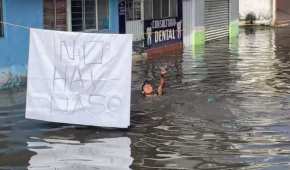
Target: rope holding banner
{"points": [[15, 25], [27, 28]]}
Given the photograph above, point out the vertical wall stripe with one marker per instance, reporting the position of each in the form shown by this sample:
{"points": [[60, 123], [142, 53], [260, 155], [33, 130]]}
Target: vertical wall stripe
{"points": [[234, 20], [114, 16]]}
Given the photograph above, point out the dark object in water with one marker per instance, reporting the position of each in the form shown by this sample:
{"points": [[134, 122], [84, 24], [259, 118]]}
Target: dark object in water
{"points": [[250, 18]]}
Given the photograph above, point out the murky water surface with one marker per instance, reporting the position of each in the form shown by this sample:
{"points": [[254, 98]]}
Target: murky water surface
{"points": [[227, 106]]}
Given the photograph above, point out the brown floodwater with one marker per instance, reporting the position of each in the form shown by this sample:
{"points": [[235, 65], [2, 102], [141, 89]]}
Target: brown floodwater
{"points": [[226, 106]]}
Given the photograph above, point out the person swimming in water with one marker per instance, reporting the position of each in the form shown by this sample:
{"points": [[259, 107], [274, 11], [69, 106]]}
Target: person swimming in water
{"points": [[148, 89]]}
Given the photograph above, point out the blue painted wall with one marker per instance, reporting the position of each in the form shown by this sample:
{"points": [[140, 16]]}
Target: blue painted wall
{"points": [[14, 45], [114, 16]]}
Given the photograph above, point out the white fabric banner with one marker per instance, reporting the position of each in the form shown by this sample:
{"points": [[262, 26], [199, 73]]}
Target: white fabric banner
{"points": [[79, 78]]}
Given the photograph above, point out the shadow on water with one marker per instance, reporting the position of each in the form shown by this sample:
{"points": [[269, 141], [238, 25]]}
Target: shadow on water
{"points": [[226, 106]]}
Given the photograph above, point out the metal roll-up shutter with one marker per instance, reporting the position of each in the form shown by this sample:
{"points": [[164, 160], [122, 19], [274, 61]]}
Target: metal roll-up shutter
{"points": [[216, 19]]}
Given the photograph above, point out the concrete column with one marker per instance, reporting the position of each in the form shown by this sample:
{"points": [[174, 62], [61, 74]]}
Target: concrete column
{"points": [[234, 20], [193, 23]]}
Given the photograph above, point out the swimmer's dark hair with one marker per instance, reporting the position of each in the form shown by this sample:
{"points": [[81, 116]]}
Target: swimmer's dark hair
{"points": [[144, 83]]}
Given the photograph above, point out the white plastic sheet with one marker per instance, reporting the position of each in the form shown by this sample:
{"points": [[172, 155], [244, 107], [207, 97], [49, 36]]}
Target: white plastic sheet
{"points": [[79, 78]]}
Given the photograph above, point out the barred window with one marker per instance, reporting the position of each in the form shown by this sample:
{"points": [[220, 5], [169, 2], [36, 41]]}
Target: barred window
{"points": [[83, 15], [133, 9], [159, 9], [90, 15], [54, 14], [1, 19]]}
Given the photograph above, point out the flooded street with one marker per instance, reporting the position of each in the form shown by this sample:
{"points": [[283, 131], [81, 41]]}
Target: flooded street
{"points": [[227, 106]]}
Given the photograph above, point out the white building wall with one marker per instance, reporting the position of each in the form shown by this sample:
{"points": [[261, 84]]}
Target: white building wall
{"points": [[262, 9], [188, 26]]}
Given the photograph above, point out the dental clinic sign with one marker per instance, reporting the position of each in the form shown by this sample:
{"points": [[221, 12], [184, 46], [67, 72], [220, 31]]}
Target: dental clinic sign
{"points": [[163, 31], [79, 78]]}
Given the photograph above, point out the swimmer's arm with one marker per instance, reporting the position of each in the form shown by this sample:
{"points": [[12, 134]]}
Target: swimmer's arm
{"points": [[161, 85]]}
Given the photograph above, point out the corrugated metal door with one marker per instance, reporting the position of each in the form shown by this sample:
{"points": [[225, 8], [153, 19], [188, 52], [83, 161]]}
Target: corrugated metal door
{"points": [[216, 19]]}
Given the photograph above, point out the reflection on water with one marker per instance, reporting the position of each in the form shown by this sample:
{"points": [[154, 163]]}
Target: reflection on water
{"points": [[226, 106], [58, 154]]}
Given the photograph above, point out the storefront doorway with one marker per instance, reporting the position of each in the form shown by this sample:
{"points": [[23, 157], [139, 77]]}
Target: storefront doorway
{"points": [[216, 19]]}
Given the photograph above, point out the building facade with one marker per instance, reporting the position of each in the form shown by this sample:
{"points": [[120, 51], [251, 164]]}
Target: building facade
{"points": [[14, 40], [156, 24], [81, 15], [177, 23]]}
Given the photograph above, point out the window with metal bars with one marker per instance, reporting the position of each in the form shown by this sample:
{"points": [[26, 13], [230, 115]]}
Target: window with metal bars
{"points": [[83, 15], [133, 10], [159, 9]]}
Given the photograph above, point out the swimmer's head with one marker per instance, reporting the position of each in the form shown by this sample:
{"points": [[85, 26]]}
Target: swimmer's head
{"points": [[147, 88]]}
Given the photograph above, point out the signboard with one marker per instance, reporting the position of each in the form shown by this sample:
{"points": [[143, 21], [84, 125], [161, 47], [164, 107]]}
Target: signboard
{"points": [[163, 31], [122, 16], [79, 78]]}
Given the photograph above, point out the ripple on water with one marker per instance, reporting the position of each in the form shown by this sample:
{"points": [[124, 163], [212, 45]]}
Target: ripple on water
{"points": [[226, 107]]}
